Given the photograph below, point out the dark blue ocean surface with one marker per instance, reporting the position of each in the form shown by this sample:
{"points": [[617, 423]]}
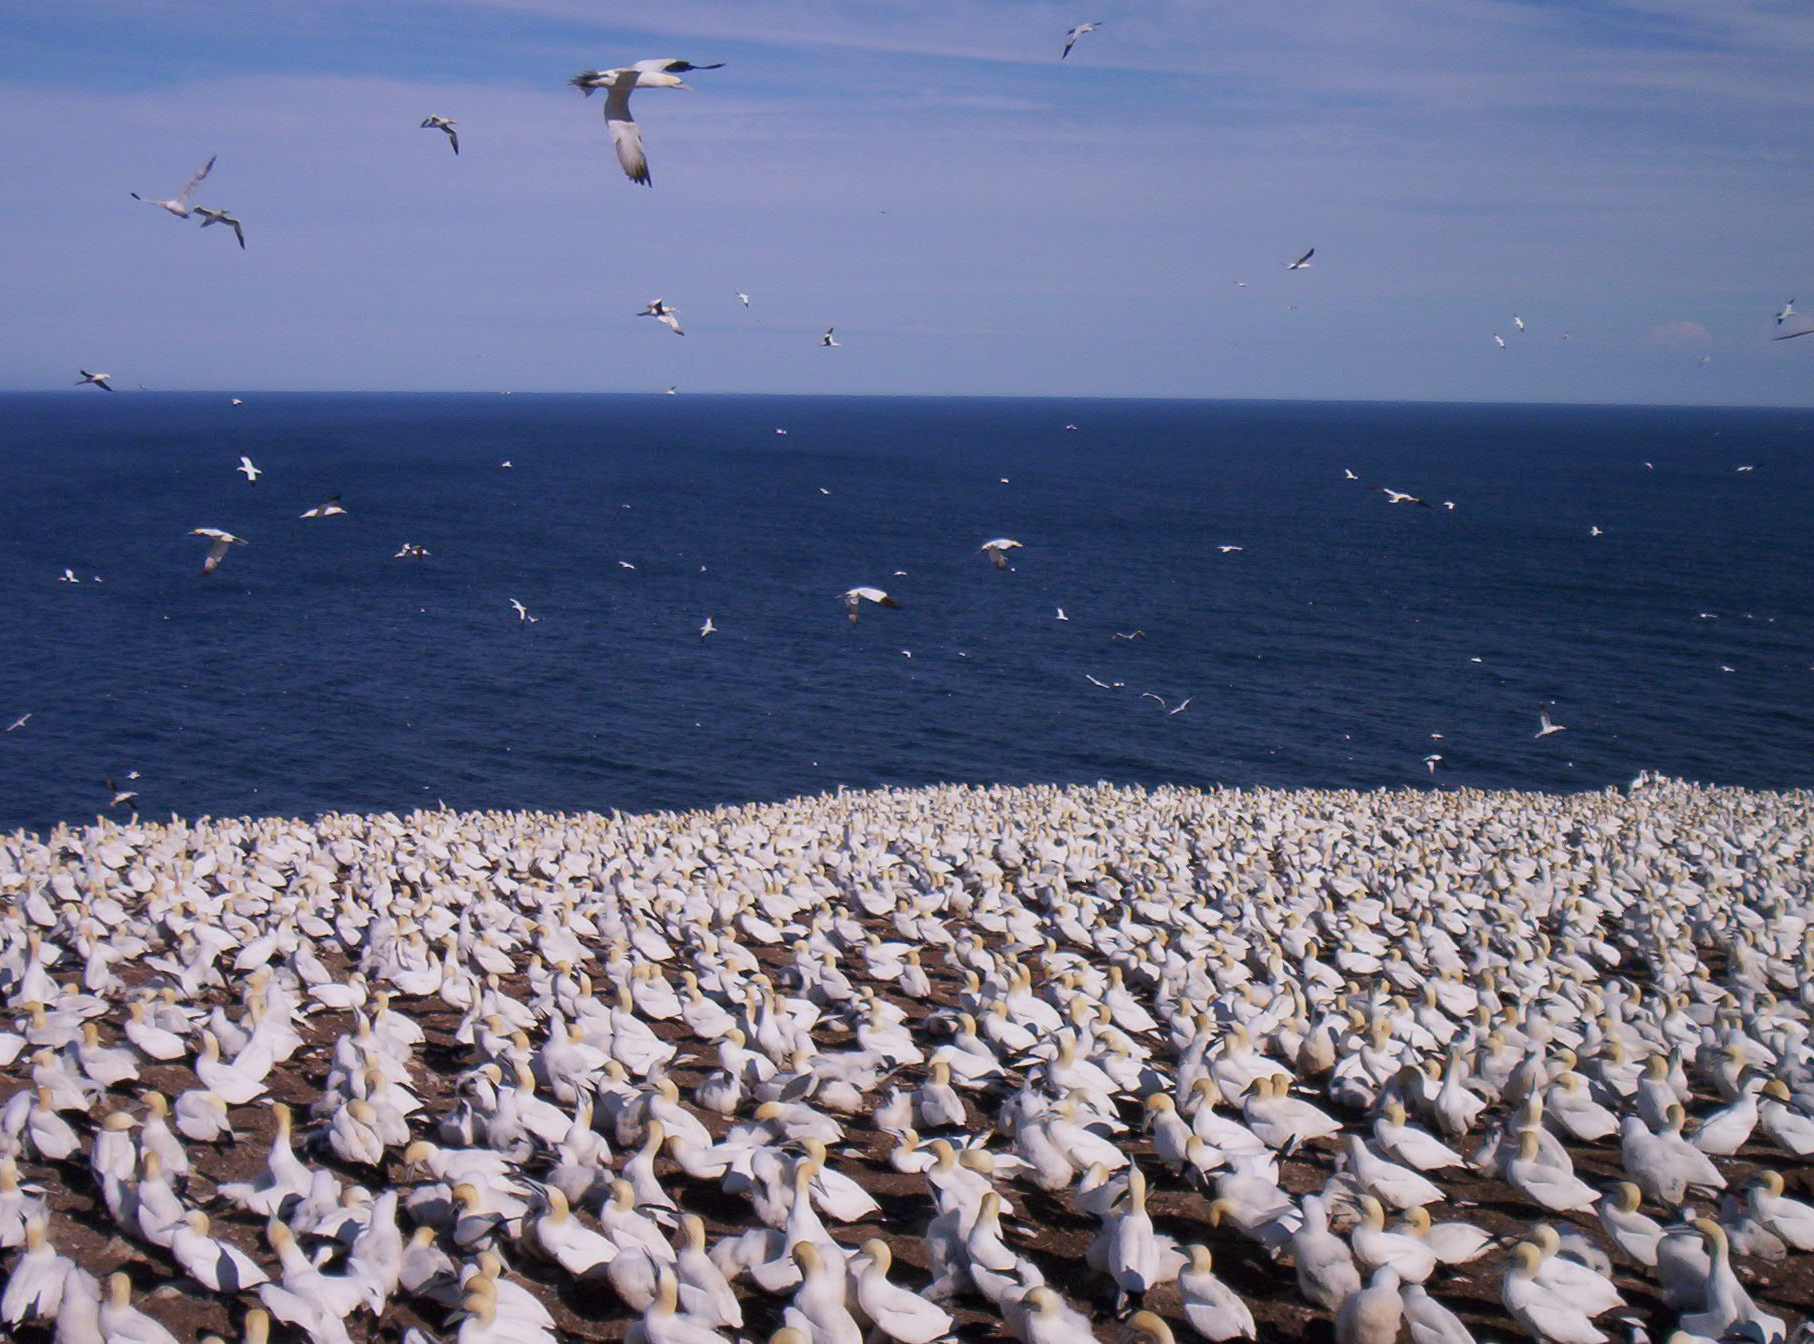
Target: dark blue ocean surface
{"points": [[315, 672]]}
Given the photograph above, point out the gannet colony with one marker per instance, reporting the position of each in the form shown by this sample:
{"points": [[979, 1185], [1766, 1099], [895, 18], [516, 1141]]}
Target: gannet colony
{"points": [[1054, 1065]]}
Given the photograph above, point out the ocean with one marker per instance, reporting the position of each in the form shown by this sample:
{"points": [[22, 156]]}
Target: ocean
{"points": [[1346, 640]]}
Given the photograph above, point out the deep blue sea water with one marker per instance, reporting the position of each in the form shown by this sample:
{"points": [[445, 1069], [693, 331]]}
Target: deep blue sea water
{"points": [[315, 672]]}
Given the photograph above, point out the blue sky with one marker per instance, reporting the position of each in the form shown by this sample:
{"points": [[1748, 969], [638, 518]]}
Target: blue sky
{"points": [[974, 216]]}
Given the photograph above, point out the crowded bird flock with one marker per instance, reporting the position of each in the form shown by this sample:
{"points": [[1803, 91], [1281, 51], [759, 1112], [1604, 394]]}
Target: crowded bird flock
{"points": [[1054, 1065]]}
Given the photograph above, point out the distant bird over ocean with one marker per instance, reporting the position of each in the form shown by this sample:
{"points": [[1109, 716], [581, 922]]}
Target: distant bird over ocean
{"points": [[444, 124], [827, 339], [18, 722], [1303, 262], [1400, 497], [411, 550], [100, 380], [246, 469], [1226, 549], [664, 315], [1061, 616], [222, 217], [708, 628], [179, 205], [619, 84], [1788, 311], [120, 796], [1544, 725], [68, 576], [1070, 38], [997, 550], [221, 540], [325, 510], [853, 598], [522, 613], [1499, 340], [1431, 760]]}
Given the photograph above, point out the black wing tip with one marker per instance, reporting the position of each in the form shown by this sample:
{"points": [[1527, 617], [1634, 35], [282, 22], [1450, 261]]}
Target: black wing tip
{"points": [[890, 602]]}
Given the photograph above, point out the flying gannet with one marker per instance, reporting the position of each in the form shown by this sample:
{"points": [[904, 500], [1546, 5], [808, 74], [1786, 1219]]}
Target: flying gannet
{"points": [[708, 628], [664, 315], [221, 540], [1787, 312], [619, 84], [246, 469], [855, 597], [68, 576], [180, 205], [1226, 549], [18, 722], [1400, 497], [1303, 262], [522, 613], [100, 380], [1070, 38], [222, 217], [444, 124], [327, 510], [997, 550], [120, 796], [1544, 726], [743, 298], [1431, 760], [826, 339]]}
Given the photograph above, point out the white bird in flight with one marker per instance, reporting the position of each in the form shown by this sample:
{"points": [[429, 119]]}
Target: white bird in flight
{"points": [[826, 339], [1070, 38], [664, 315], [180, 205], [68, 576], [1517, 322], [855, 597], [1545, 727], [1061, 616], [997, 550], [619, 84], [221, 540], [522, 613], [1787, 312], [18, 722], [1594, 531], [222, 217], [412, 550], [1303, 262], [444, 124], [1499, 340], [120, 796], [1431, 760], [100, 380], [708, 628], [327, 510], [246, 469], [1226, 549], [1400, 497], [743, 298]]}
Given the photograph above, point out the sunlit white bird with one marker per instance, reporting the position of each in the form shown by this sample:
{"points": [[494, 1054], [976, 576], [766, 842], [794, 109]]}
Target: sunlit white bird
{"points": [[522, 612], [221, 540], [68, 576], [1517, 322], [708, 628], [1499, 340], [327, 510], [1226, 549], [1544, 726], [444, 124], [855, 597], [743, 298], [1070, 38], [619, 84], [997, 550], [664, 315], [246, 469], [222, 217], [100, 380], [826, 339], [1400, 497], [1787, 312], [179, 206], [1431, 760], [1303, 262]]}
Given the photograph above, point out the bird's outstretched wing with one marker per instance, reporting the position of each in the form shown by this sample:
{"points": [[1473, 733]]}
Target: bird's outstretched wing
{"points": [[626, 135], [182, 197]]}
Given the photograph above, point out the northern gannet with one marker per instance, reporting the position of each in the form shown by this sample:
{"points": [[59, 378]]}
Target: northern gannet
{"points": [[120, 796], [246, 469], [1226, 549], [100, 380], [708, 628], [221, 540], [1400, 497], [1544, 726], [180, 205], [327, 510], [18, 722], [743, 298], [222, 217], [619, 84], [997, 550], [664, 315], [1787, 312], [1302, 263], [522, 612], [1070, 38], [854, 597], [444, 124], [826, 339]]}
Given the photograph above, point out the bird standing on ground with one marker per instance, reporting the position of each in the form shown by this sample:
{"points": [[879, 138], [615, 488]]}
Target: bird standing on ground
{"points": [[179, 205], [619, 84], [444, 124]]}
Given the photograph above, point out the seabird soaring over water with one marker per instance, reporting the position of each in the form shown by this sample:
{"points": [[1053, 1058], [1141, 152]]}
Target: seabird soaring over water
{"points": [[1544, 726], [619, 83], [1226, 549], [180, 205], [522, 613], [18, 722], [1400, 497], [444, 124], [1431, 760], [222, 217], [855, 597], [412, 550], [1070, 38], [708, 628], [98, 379], [743, 298], [1787, 312], [120, 796], [324, 510], [68, 576], [1499, 340], [826, 339], [1303, 262], [664, 315], [221, 540], [997, 550], [246, 469]]}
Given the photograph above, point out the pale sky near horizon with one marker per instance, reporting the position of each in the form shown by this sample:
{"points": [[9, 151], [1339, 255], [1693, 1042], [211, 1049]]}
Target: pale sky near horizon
{"points": [[972, 215]]}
